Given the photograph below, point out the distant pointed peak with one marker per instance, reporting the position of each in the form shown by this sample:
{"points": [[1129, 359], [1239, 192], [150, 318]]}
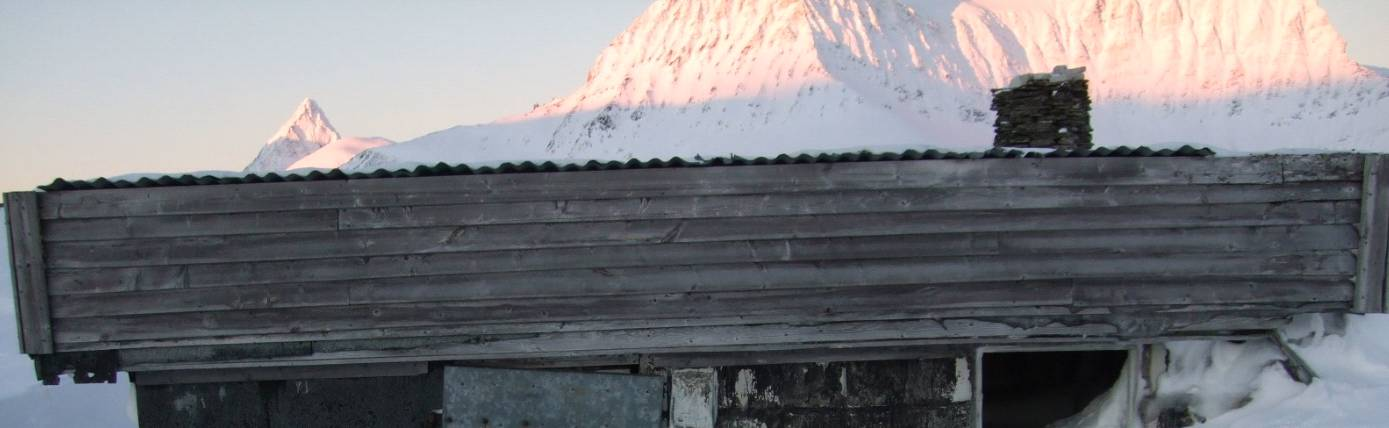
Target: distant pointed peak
{"points": [[308, 105], [308, 123]]}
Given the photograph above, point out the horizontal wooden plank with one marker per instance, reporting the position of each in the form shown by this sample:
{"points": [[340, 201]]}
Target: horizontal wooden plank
{"points": [[805, 355], [113, 280], [807, 303], [1322, 167], [205, 299], [841, 202], [695, 181], [512, 328], [1143, 322], [507, 328], [839, 335], [292, 246], [1132, 241], [340, 371], [189, 225], [701, 278]]}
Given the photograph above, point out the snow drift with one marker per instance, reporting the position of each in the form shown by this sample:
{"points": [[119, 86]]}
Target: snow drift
{"points": [[1246, 385], [336, 153], [758, 77]]}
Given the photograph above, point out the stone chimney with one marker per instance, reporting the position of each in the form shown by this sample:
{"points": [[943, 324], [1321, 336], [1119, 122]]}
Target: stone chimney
{"points": [[1044, 110]]}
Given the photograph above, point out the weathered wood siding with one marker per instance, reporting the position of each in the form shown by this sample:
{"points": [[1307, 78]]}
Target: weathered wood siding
{"points": [[701, 259]]}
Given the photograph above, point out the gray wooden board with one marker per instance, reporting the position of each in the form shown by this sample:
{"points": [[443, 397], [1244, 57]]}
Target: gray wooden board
{"points": [[500, 328], [1192, 326], [703, 339], [28, 273], [376, 334], [338, 371], [805, 303], [715, 356], [189, 225], [582, 283], [1321, 167], [489, 397], [586, 362], [840, 202], [832, 202], [812, 355], [110, 280], [1131, 241], [1374, 228], [290, 246], [696, 181]]}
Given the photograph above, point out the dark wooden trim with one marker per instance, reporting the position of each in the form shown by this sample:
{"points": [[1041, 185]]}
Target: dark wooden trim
{"points": [[29, 274], [340, 371], [809, 354], [1374, 236]]}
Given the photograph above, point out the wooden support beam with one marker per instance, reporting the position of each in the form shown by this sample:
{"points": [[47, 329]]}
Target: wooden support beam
{"points": [[341, 371], [1374, 236], [28, 273], [724, 338]]}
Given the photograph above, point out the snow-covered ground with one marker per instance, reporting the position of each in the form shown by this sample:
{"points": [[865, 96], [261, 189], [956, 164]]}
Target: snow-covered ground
{"points": [[1351, 362]]}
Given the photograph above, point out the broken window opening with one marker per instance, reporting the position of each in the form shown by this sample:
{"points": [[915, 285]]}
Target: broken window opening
{"points": [[1035, 389]]}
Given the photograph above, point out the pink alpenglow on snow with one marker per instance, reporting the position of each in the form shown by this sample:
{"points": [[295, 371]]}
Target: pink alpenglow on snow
{"points": [[753, 77], [306, 131], [336, 153], [308, 140]]}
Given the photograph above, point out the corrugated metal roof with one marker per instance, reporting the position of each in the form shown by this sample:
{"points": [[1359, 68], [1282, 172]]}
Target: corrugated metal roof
{"points": [[676, 162]]}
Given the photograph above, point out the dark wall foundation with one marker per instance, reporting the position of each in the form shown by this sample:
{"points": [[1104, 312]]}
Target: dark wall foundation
{"points": [[1033, 389], [1026, 389], [399, 401], [912, 393]]}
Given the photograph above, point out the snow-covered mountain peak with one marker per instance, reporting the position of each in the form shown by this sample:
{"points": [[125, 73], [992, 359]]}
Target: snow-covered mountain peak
{"points": [[306, 131], [759, 77], [308, 123]]}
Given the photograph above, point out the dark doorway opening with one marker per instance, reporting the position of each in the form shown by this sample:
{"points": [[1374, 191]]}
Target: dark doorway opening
{"points": [[1033, 389]]}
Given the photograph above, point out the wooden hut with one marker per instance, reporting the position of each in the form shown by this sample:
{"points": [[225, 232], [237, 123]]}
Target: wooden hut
{"points": [[860, 289]]}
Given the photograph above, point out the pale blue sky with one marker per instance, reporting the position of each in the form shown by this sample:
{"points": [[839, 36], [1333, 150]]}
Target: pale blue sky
{"points": [[99, 88]]}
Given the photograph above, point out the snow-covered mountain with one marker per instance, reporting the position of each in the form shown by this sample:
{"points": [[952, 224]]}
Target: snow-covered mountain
{"points": [[308, 140], [336, 153], [306, 131], [756, 77]]}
